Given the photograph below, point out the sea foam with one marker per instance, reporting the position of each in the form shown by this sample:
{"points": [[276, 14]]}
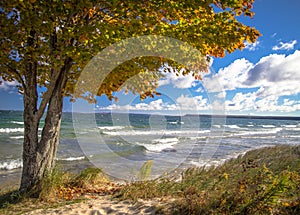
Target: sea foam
{"points": [[155, 132], [11, 130], [289, 126], [16, 137], [72, 158], [111, 127], [232, 126], [11, 164], [268, 126], [265, 131], [159, 145], [176, 122], [17, 122]]}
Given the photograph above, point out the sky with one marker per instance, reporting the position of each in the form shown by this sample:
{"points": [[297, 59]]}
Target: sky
{"points": [[263, 79]]}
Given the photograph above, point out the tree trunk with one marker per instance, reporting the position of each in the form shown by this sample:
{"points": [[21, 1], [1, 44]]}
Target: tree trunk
{"points": [[39, 154]]}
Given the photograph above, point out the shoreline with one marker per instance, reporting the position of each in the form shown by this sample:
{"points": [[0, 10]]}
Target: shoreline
{"points": [[14, 175], [11, 180], [76, 167]]}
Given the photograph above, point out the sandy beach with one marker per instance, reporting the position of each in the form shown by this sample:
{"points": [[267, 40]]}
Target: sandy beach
{"points": [[97, 205]]}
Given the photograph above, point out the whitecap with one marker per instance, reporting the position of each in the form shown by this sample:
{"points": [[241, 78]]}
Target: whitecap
{"points": [[293, 129], [18, 122], [155, 132], [265, 131], [232, 126], [72, 158], [11, 164], [165, 140], [11, 130], [111, 127], [159, 145], [268, 126], [16, 137], [176, 122], [289, 126], [207, 163]]}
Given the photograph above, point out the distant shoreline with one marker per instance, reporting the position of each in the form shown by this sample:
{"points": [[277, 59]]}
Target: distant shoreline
{"points": [[194, 115], [248, 116]]}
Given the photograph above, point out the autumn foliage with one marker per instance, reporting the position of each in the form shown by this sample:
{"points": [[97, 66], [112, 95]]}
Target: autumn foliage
{"points": [[80, 29]]}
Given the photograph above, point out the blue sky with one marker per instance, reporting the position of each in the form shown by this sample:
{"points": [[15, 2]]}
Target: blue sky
{"points": [[263, 79]]}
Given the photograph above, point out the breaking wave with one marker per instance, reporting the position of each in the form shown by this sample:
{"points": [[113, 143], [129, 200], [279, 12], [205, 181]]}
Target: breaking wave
{"points": [[11, 164]]}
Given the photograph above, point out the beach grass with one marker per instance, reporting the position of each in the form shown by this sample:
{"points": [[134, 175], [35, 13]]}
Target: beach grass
{"points": [[59, 188], [262, 181]]}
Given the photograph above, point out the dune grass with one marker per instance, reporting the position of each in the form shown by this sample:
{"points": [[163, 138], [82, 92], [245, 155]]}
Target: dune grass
{"points": [[58, 188], [263, 181]]}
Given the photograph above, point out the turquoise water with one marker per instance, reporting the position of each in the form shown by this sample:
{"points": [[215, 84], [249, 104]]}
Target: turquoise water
{"points": [[121, 143]]}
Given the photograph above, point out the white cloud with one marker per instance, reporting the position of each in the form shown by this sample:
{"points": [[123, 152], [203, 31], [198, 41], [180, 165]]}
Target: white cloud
{"points": [[200, 90], [273, 35], [241, 102], [221, 95], [252, 46], [196, 103], [278, 74], [155, 105], [181, 82], [183, 104], [271, 104], [7, 85], [251, 101], [288, 102], [285, 46], [274, 75], [230, 77]]}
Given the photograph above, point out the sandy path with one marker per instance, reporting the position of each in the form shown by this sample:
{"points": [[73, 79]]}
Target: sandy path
{"points": [[101, 205]]}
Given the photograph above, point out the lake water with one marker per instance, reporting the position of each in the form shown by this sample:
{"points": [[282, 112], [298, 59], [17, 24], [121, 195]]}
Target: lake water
{"points": [[121, 143]]}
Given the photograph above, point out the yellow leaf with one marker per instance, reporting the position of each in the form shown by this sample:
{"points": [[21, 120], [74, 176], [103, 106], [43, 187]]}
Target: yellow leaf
{"points": [[286, 204], [225, 175], [223, 202]]}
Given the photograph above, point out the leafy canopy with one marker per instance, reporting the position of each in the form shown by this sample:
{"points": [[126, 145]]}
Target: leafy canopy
{"points": [[44, 33]]}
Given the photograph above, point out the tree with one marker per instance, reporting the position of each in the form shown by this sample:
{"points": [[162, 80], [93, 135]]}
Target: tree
{"points": [[46, 43]]}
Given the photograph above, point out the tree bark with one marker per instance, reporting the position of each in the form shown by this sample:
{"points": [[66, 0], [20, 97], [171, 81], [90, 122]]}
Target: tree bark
{"points": [[39, 154]]}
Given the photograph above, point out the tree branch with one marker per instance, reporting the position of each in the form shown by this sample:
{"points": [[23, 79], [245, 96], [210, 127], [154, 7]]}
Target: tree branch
{"points": [[18, 76], [48, 94]]}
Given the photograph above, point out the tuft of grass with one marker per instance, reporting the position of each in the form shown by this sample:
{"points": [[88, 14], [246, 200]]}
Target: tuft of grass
{"points": [[58, 188], [90, 176], [263, 181], [52, 183], [145, 170], [10, 197]]}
